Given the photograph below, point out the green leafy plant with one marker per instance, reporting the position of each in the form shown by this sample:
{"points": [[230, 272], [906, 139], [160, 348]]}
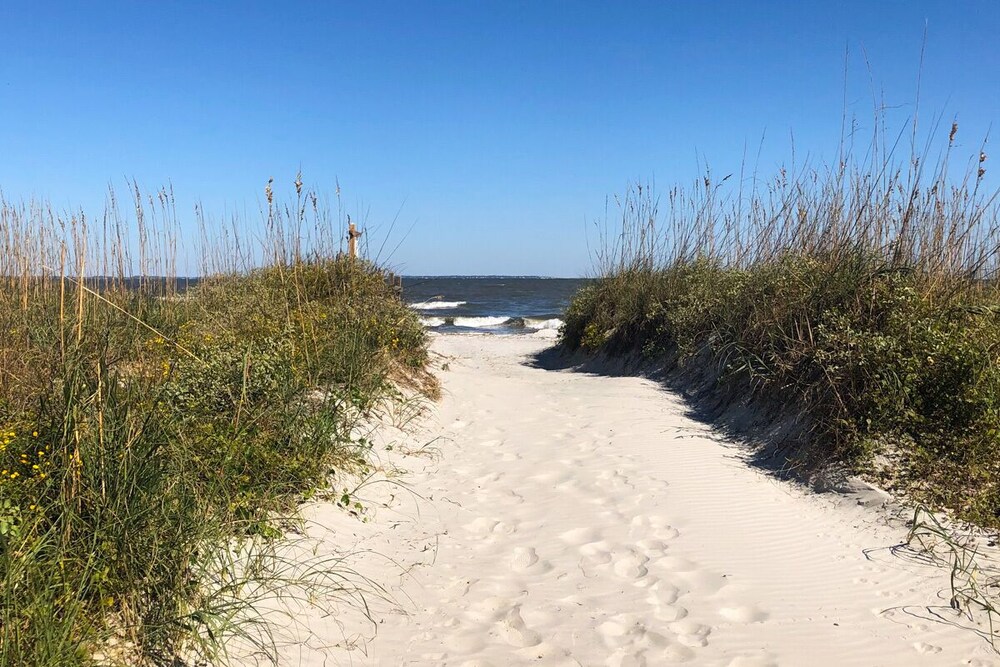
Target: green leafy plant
{"points": [[156, 440], [859, 301]]}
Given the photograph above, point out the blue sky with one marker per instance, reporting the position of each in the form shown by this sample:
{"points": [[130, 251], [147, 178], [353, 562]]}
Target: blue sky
{"points": [[497, 128]]}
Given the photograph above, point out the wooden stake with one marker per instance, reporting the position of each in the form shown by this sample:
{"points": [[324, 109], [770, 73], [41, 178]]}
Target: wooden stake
{"points": [[352, 239]]}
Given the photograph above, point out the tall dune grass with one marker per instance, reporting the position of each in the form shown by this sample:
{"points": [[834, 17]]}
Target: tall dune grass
{"points": [[860, 298], [150, 435]]}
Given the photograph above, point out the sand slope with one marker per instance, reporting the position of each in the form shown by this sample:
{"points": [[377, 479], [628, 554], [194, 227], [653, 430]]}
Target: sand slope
{"points": [[571, 519]]}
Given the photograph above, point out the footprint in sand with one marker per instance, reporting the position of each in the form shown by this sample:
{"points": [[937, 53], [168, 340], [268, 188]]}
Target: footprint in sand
{"points": [[481, 526], [743, 614], [597, 553], [629, 634], [613, 630], [662, 593], [484, 526], [513, 630], [641, 501], [614, 480], [676, 653], [703, 582], [652, 548], [488, 479], [926, 649], [691, 633], [505, 528], [670, 613], [450, 623], [459, 588], [505, 497], [489, 610], [646, 527], [525, 560], [630, 565]]}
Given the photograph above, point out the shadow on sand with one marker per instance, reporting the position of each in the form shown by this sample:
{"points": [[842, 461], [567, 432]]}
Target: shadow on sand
{"points": [[767, 436], [765, 432]]}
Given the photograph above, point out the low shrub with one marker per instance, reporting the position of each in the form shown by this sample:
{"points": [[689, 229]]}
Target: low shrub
{"points": [[868, 308], [148, 437]]}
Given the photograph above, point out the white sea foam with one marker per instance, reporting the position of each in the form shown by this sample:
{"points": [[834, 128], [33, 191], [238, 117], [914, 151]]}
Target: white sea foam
{"points": [[480, 321], [554, 323], [437, 305], [489, 321]]}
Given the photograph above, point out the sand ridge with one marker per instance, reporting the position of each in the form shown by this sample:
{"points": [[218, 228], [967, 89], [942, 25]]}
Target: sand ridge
{"points": [[572, 519]]}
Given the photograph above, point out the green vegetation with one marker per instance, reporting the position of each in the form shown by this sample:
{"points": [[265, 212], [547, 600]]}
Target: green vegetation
{"points": [[861, 300], [152, 440]]}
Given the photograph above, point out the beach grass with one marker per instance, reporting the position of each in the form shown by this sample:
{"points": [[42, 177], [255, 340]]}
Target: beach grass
{"points": [[858, 300], [155, 440]]}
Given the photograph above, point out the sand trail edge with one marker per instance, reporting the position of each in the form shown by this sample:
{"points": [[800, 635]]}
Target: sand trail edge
{"points": [[562, 518]]}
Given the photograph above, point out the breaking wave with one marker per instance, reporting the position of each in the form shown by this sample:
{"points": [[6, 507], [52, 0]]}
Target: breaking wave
{"points": [[437, 305], [493, 322]]}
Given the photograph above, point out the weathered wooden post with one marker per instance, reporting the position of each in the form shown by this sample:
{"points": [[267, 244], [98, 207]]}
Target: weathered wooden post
{"points": [[352, 239]]}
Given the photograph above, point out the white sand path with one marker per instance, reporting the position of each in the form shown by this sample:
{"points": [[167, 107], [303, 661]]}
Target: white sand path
{"points": [[573, 519]]}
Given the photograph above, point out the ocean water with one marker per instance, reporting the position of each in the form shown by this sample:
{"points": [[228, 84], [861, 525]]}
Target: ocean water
{"points": [[493, 304]]}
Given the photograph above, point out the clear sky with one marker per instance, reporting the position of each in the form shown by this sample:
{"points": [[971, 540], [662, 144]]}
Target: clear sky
{"points": [[497, 128]]}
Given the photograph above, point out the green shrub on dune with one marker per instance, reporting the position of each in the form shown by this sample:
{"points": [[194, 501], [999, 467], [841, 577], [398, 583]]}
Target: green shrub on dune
{"points": [[150, 437], [865, 303]]}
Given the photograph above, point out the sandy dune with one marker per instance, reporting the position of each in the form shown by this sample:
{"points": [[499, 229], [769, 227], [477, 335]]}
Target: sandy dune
{"points": [[570, 519]]}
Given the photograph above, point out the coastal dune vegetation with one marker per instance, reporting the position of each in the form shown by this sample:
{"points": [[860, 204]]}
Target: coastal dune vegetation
{"points": [[156, 435], [856, 302]]}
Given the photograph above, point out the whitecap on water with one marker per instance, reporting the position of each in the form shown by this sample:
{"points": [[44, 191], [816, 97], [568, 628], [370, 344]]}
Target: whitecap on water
{"points": [[437, 305]]}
